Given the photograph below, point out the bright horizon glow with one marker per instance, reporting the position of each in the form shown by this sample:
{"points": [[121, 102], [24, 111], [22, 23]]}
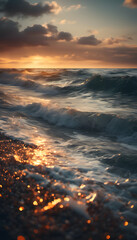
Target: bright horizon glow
{"points": [[39, 62], [90, 34]]}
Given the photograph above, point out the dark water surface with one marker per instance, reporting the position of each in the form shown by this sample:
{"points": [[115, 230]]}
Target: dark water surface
{"points": [[84, 122]]}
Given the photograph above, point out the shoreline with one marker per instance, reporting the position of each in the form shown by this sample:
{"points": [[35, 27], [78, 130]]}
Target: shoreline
{"points": [[36, 212]]}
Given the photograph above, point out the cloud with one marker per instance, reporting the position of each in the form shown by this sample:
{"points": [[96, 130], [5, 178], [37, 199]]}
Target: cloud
{"points": [[93, 32], [64, 36], [130, 3], [74, 7], [8, 32], [37, 35], [47, 42], [52, 29], [111, 41], [35, 30], [70, 54], [10, 36], [89, 40], [24, 8], [64, 21]]}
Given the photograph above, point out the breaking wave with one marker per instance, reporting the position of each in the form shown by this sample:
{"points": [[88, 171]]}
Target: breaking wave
{"points": [[92, 122], [76, 81]]}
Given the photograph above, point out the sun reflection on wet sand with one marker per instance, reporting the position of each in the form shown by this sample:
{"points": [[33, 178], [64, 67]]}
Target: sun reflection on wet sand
{"points": [[91, 197], [43, 154], [51, 205], [32, 198]]}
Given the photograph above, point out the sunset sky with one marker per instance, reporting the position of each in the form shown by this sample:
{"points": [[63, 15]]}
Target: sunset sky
{"points": [[68, 33]]}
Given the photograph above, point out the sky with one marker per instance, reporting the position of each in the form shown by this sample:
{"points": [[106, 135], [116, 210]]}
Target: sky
{"points": [[68, 34]]}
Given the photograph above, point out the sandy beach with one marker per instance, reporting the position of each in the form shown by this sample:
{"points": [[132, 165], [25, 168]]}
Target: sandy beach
{"points": [[30, 211]]}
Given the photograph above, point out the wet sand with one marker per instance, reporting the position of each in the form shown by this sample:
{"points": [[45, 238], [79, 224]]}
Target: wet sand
{"points": [[30, 211]]}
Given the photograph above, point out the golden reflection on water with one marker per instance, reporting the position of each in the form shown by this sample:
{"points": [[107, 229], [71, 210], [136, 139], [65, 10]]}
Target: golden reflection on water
{"points": [[43, 154], [41, 198]]}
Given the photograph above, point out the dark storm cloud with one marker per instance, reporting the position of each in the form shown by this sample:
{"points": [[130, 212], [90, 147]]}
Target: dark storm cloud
{"points": [[10, 36], [64, 36], [34, 36], [89, 40], [24, 8], [37, 35], [52, 29], [130, 3], [35, 30], [8, 31]]}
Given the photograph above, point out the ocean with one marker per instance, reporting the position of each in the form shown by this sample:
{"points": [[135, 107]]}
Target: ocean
{"points": [[84, 123]]}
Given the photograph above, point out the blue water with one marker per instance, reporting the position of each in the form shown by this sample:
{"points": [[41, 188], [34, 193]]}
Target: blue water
{"points": [[85, 123]]}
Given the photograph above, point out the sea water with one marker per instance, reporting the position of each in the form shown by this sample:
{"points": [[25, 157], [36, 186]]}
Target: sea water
{"points": [[84, 123]]}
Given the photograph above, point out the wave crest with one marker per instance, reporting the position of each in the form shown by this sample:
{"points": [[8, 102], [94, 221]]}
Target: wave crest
{"points": [[122, 84], [92, 122]]}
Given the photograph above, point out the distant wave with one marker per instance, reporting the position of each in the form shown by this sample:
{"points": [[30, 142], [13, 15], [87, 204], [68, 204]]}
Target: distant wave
{"points": [[5, 99], [120, 84], [126, 85], [48, 90], [93, 122], [15, 80]]}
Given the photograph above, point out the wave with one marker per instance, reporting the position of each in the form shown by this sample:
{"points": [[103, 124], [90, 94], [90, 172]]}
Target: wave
{"points": [[46, 90], [124, 161], [91, 122], [15, 80], [5, 100], [126, 85], [122, 84], [49, 75]]}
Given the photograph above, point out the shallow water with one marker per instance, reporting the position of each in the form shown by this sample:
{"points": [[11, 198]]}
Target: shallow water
{"points": [[84, 123]]}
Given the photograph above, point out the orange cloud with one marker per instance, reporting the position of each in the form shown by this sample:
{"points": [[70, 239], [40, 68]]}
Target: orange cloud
{"points": [[74, 7], [64, 21], [44, 46], [70, 54], [130, 3], [116, 41]]}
